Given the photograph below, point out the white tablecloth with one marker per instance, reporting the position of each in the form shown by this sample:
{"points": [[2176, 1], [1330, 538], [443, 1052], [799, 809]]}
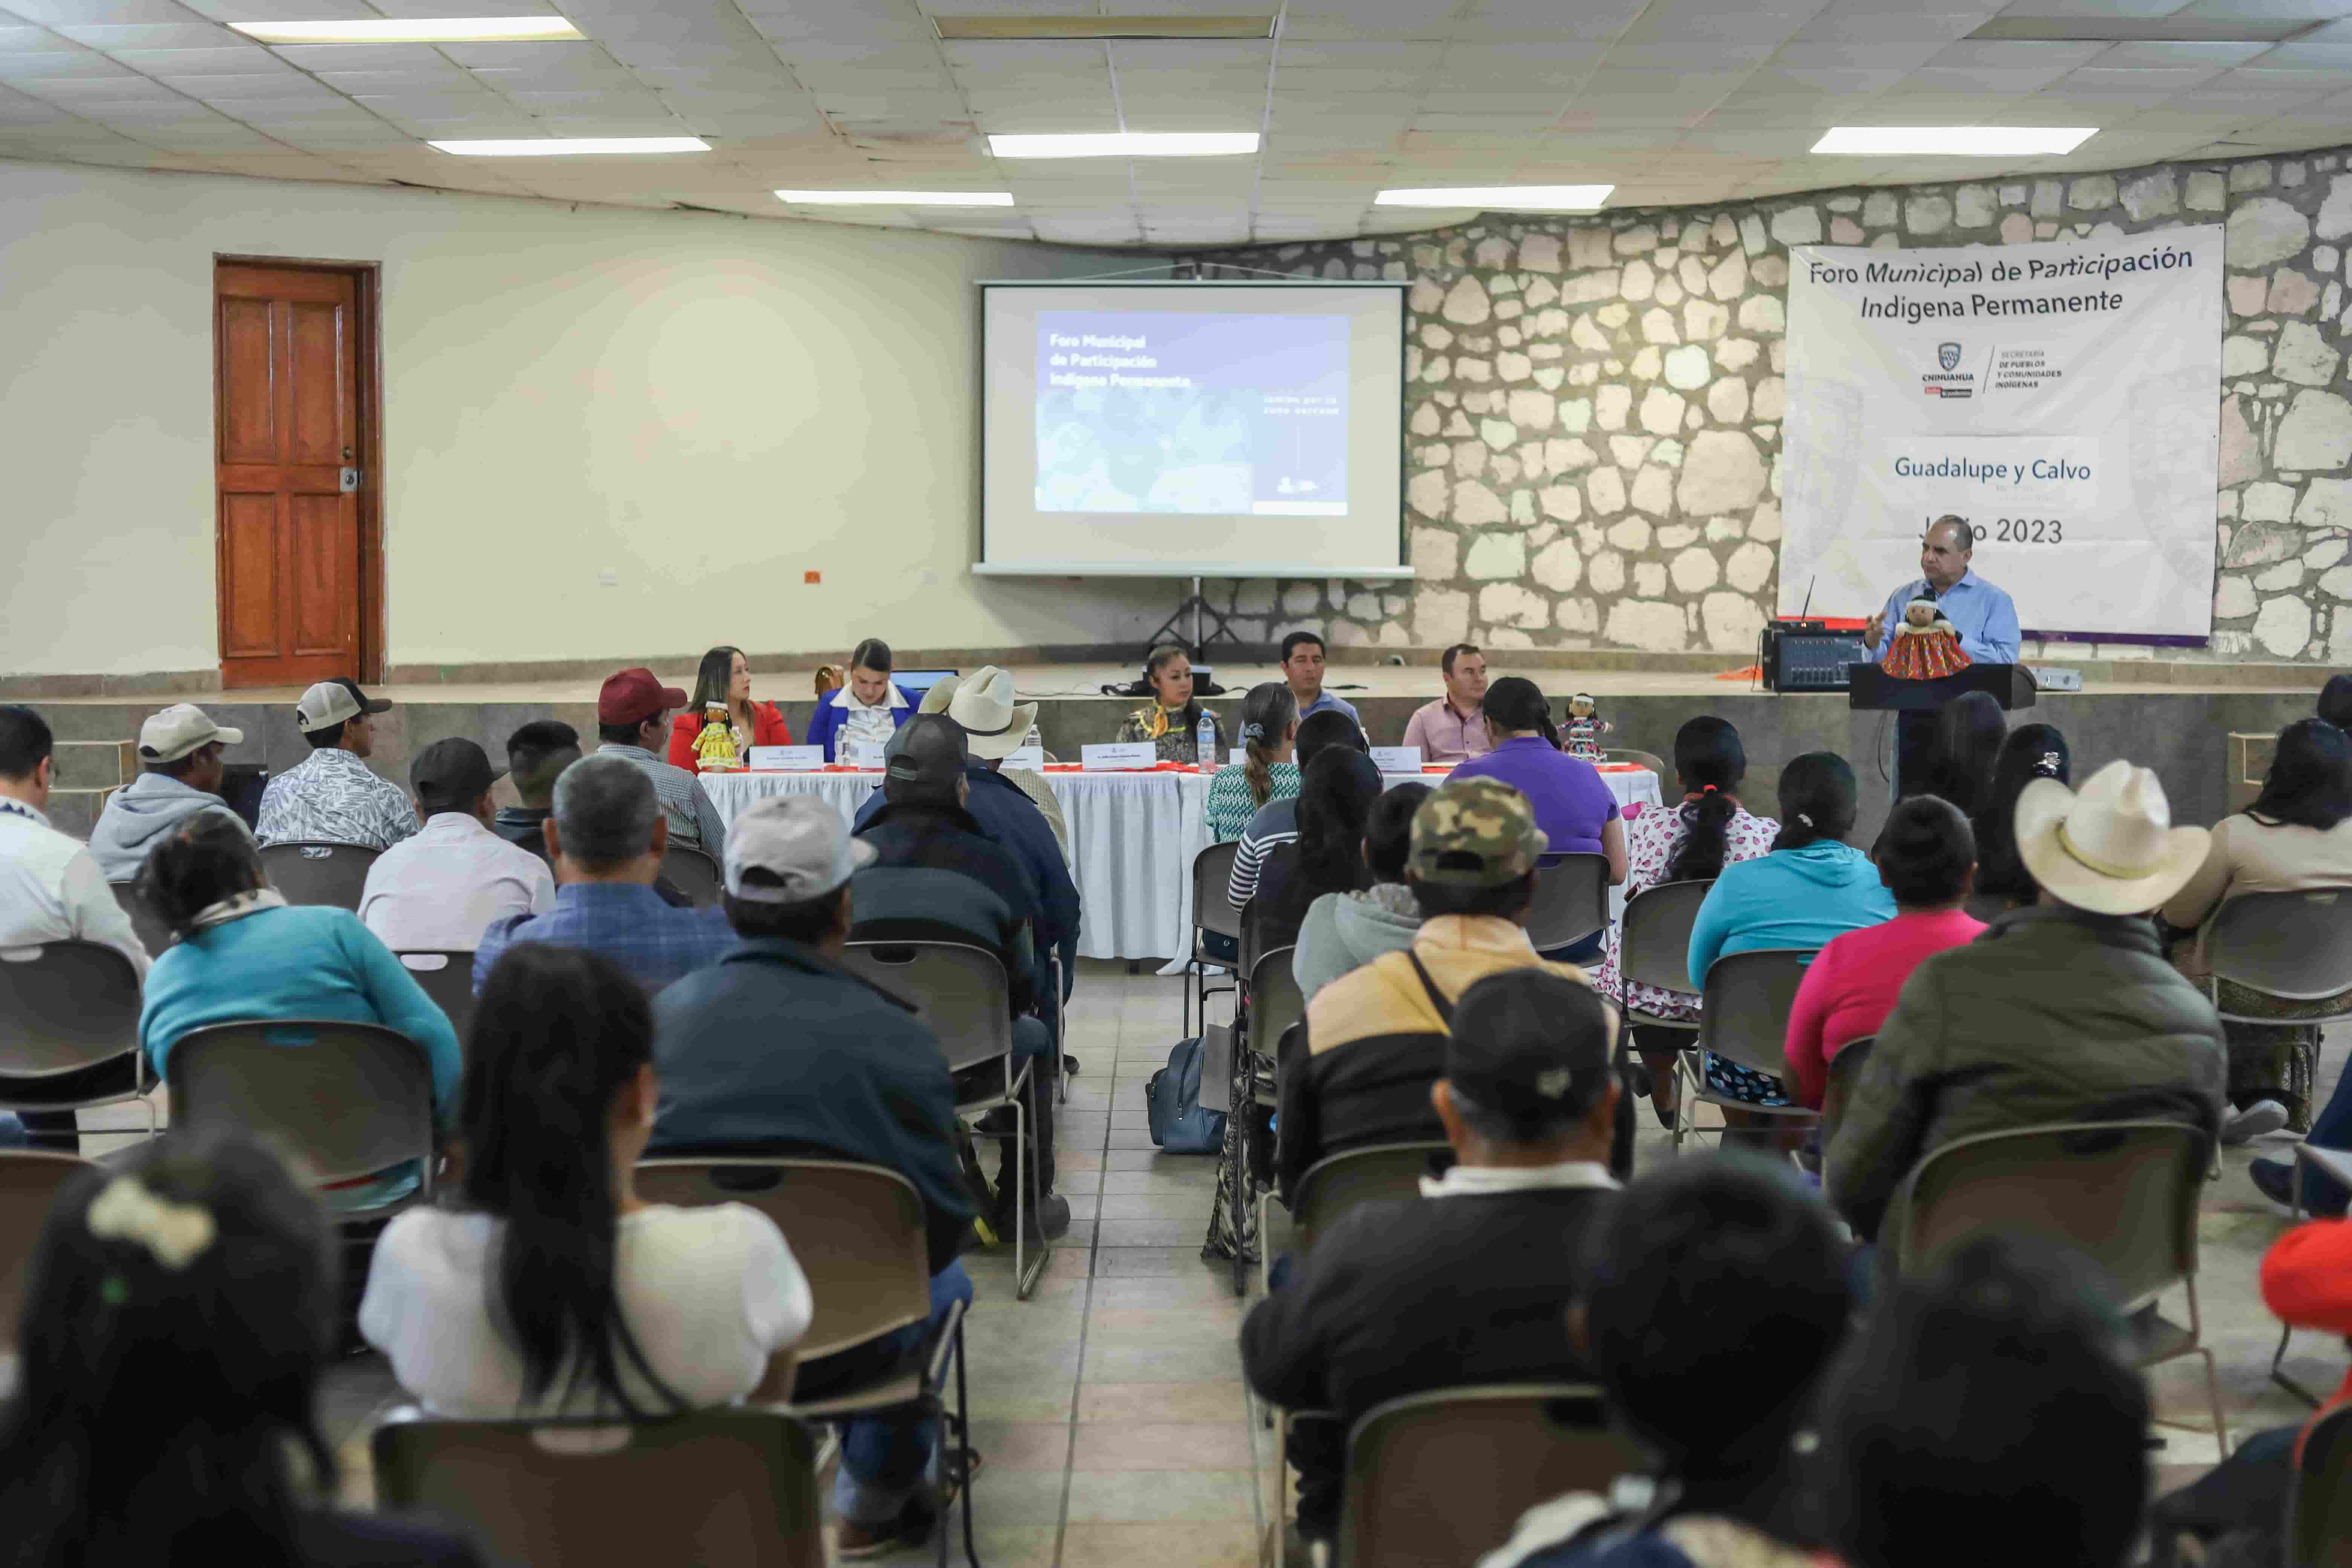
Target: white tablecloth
{"points": [[1132, 840]]}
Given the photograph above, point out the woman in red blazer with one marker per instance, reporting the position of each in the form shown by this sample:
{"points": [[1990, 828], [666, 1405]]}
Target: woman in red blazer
{"points": [[725, 677]]}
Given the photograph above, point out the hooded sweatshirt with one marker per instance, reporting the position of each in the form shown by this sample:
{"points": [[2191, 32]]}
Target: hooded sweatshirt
{"points": [[1347, 931], [1789, 897], [139, 815]]}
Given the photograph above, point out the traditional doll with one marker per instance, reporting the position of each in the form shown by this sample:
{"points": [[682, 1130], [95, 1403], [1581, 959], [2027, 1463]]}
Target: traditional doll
{"points": [[1585, 728], [1925, 644], [715, 749]]}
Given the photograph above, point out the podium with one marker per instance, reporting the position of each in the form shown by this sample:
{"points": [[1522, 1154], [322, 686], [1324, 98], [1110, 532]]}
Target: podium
{"points": [[1872, 690]]}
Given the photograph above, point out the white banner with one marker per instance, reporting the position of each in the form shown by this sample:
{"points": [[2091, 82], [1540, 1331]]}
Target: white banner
{"points": [[2064, 398]]}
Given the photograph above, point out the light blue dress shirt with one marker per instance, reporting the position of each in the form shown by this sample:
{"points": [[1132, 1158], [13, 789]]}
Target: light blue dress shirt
{"points": [[1324, 703], [1984, 616]]}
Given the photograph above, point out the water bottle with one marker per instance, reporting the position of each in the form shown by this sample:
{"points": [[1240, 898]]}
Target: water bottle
{"points": [[1204, 741]]}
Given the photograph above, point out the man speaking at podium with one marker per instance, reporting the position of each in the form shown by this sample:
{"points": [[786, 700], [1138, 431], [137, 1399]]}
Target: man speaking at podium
{"points": [[1984, 616]]}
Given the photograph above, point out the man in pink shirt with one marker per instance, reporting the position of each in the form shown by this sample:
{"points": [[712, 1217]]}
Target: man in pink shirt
{"points": [[1454, 728], [1926, 857]]}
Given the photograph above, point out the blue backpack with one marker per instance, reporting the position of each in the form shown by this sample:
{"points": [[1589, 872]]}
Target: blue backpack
{"points": [[1172, 1099]]}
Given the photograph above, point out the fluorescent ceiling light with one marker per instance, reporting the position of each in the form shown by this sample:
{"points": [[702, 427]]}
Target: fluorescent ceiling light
{"points": [[563, 146], [415, 31], [1004, 29], [1956, 140], [899, 198], [2175, 29], [1501, 198], [1128, 145]]}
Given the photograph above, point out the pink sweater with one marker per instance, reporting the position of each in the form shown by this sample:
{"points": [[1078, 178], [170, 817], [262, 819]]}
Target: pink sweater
{"points": [[1851, 985]]}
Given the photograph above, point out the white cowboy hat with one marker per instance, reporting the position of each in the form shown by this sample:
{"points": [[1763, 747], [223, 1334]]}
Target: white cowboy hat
{"points": [[993, 722], [2111, 850]]}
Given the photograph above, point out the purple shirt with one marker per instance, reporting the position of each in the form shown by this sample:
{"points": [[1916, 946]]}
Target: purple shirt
{"points": [[1572, 801]]}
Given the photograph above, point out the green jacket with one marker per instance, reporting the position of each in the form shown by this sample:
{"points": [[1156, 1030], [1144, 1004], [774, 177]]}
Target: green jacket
{"points": [[2053, 1014]]}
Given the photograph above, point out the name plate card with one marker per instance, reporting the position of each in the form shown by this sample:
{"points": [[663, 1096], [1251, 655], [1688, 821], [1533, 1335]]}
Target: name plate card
{"points": [[1118, 757], [867, 754], [1030, 757], [1397, 759], [788, 759]]}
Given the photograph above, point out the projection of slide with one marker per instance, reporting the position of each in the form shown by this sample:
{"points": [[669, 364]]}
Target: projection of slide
{"points": [[1201, 414]]}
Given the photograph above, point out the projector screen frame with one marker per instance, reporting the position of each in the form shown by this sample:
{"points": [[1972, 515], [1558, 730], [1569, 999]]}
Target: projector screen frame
{"points": [[1399, 571]]}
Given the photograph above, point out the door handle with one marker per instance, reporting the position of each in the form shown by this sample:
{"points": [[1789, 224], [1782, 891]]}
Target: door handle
{"points": [[350, 480]]}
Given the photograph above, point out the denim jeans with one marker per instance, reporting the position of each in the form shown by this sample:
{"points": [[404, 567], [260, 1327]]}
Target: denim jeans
{"points": [[884, 1457]]}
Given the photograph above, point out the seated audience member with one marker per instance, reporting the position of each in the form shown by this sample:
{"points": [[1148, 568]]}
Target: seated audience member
{"points": [[1454, 728], [725, 681], [1712, 1297], [52, 890], [777, 1050], [536, 754], [632, 721], [936, 877], [180, 774], [241, 953], [1970, 730], [1344, 932], [1276, 822], [549, 1288], [1270, 733], [1812, 886], [995, 735], [868, 709], [1466, 1284], [2032, 751], [1573, 803], [1376, 1038], [2066, 1012], [1925, 856], [2335, 701], [1987, 1414], [1302, 671], [332, 795], [444, 887], [179, 1314], [1693, 843], [1327, 855], [607, 834], [1170, 721]]}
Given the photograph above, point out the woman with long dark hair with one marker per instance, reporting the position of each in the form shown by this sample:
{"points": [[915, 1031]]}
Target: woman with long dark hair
{"points": [[548, 1288], [1692, 843], [1269, 738], [1327, 856], [2032, 751], [1171, 719], [1574, 805], [1970, 731], [725, 681], [179, 1309]]}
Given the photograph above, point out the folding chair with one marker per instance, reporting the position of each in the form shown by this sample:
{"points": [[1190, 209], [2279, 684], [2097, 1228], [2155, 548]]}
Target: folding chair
{"points": [[347, 1101], [1213, 872], [1571, 901], [1340, 1181], [318, 872], [446, 973], [1844, 1068], [1275, 1006], [693, 872], [960, 994], [30, 1181], [2333, 1162], [2319, 1495], [1444, 1477], [857, 1232], [2122, 1193], [65, 1006], [1744, 1018], [153, 935], [1652, 942], [722, 1489], [2285, 947], [1061, 1026]]}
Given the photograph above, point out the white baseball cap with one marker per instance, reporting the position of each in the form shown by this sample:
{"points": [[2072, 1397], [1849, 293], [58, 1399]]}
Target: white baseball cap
{"points": [[799, 840], [173, 733], [329, 702]]}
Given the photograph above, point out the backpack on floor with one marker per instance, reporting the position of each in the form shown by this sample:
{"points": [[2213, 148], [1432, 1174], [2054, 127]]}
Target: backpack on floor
{"points": [[1173, 1098]]}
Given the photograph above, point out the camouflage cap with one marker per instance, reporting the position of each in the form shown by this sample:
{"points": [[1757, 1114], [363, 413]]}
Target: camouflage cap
{"points": [[1474, 833]]}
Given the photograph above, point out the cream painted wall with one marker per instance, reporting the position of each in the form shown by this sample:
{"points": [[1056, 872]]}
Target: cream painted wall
{"points": [[706, 406]]}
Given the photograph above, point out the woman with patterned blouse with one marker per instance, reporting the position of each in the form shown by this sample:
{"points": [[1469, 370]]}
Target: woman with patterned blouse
{"points": [[1269, 735], [1171, 721]]}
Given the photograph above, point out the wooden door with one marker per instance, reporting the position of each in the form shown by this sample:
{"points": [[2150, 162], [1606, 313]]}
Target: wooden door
{"points": [[289, 459]]}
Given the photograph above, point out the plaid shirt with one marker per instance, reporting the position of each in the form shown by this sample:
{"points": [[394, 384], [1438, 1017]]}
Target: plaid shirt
{"points": [[693, 820], [330, 795], [625, 922]]}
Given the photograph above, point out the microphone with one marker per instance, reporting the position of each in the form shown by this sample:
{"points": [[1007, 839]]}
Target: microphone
{"points": [[1809, 594]]}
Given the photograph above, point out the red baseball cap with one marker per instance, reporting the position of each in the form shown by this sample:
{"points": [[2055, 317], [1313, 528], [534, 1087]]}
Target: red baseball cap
{"points": [[635, 696]]}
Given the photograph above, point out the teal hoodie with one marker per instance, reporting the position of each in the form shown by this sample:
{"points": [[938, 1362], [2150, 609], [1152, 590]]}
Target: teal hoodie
{"points": [[1791, 898]]}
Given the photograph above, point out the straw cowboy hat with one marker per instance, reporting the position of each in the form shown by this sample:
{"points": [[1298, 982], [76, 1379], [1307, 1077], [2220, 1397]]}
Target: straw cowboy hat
{"points": [[995, 726], [2111, 850]]}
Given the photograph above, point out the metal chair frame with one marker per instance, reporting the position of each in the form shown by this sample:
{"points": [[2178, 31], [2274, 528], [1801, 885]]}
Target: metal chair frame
{"points": [[89, 1023], [1274, 1007], [2250, 934], [1212, 870], [297, 852], [2331, 1162], [1377, 1165], [1718, 1023]]}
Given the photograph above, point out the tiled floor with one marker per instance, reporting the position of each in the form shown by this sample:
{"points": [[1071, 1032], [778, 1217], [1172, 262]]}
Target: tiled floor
{"points": [[1110, 1408]]}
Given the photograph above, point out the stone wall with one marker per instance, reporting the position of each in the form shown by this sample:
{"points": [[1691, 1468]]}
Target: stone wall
{"points": [[1594, 404]]}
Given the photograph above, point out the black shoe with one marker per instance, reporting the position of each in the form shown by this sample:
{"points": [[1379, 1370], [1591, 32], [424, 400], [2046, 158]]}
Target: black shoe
{"points": [[1069, 1065], [1048, 1220], [2275, 1178]]}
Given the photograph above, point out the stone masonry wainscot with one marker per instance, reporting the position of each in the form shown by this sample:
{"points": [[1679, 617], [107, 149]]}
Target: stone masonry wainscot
{"points": [[1594, 407]]}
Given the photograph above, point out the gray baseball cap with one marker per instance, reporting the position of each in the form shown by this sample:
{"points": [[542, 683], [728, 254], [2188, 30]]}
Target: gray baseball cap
{"points": [[799, 840], [173, 733]]}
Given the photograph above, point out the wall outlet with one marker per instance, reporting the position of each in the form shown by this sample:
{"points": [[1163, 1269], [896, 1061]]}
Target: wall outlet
{"points": [[608, 578]]}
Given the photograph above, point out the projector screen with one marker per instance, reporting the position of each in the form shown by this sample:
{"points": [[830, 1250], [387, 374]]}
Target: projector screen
{"points": [[1156, 429]]}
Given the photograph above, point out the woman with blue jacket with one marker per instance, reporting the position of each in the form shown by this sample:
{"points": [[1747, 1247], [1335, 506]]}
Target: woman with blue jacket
{"points": [[870, 707], [1813, 886]]}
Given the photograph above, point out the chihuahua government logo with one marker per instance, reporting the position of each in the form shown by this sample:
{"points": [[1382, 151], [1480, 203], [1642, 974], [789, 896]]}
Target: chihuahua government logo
{"points": [[1948, 381], [1948, 354]]}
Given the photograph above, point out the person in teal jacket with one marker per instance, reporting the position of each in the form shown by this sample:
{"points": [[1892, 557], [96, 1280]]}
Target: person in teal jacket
{"points": [[1812, 886], [240, 952]]}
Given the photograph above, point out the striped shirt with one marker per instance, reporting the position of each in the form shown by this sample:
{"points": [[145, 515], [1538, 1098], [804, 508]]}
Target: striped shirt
{"points": [[693, 820], [1275, 824]]}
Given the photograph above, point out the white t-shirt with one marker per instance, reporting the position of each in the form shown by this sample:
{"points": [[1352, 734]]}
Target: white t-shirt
{"points": [[708, 1293]]}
